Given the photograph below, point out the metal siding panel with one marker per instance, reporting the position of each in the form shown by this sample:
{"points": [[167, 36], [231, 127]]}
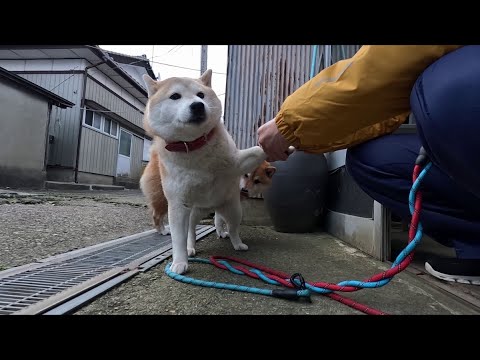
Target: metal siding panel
{"points": [[136, 158], [253, 89], [84, 146], [102, 163], [81, 155], [114, 158], [64, 122], [100, 95], [97, 152], [235, 87], [228, 89]]}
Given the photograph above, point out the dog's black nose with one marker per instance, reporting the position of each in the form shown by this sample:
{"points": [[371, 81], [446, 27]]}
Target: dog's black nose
{"points": [[197, 107]]}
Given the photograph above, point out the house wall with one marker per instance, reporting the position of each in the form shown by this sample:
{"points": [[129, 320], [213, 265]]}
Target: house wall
{"points": [[136, 158], [63, 77], [24, 121], [98, 152], [118, 104], [114, 87]]}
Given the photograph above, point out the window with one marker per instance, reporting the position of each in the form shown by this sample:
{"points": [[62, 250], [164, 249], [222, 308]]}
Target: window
{"points": [[97, 120], [89, 118], [107, 125], [125, 143], [114, 129]]}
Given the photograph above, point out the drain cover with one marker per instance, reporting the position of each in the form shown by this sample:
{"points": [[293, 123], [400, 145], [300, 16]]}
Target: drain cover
{"points": [[34, 288]]}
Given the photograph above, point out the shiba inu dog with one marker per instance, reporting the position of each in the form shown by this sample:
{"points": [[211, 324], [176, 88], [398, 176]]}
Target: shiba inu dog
{"points": [[251, 185], [199, 164], [255, 183]]}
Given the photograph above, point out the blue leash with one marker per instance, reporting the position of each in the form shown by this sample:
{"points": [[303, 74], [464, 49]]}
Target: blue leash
{"points": [[283, 293], [303, 289]]}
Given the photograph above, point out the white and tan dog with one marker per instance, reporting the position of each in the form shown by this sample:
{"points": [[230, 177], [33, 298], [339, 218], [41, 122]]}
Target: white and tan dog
{"points": [[199, 163]]}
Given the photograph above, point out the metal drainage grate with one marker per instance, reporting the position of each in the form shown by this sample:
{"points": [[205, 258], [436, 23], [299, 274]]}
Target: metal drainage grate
{"points": [[37, 283]]}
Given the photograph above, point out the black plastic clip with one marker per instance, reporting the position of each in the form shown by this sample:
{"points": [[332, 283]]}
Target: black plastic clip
{"points": [[298, 282], [422, 157]]}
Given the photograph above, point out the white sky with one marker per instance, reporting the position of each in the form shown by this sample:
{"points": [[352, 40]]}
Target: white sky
{"points": [[184, 56]]}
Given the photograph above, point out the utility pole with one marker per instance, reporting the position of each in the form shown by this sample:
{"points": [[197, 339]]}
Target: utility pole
{"points": [[203, 59]]}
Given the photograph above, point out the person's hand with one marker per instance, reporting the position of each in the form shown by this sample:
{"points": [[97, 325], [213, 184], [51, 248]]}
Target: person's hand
{"points": [[272, 142]]}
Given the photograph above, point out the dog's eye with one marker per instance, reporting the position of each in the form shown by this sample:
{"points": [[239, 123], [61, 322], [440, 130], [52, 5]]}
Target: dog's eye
{"points": [[201, 95], [257, 181], [175, 96], [246, 175]]}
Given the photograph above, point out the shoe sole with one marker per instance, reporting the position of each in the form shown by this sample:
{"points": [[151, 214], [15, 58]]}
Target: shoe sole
{"points": [[470, 280]]}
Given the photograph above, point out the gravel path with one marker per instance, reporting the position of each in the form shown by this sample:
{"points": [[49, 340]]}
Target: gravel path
{"points": [[40, 224]]}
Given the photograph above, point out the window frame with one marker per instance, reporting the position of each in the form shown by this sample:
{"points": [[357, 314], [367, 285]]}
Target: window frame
{"points": [[102, 123]]}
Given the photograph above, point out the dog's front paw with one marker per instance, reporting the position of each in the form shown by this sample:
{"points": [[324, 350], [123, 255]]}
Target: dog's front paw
{"points": [[241, 247], [191, 252], [179, 268], [261, 155], [164, 230], [222, 234]]}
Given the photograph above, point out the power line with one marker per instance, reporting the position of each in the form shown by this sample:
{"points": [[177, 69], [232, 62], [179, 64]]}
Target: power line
{"points": [[184, 67], [60, 83], [132, 63], [178, 47], [161, 63]]}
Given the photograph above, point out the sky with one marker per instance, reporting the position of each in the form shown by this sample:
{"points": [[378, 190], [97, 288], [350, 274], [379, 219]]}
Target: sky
{"points": [[171, 60]]}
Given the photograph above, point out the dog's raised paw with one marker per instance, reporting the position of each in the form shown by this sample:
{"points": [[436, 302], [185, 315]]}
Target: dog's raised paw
{"points": [[241, 247], [179, 268], [260, 153], [191, 252]]}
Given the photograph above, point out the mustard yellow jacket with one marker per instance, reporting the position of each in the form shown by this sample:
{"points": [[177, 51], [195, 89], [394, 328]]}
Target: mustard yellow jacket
{"points": [[356, 99]]}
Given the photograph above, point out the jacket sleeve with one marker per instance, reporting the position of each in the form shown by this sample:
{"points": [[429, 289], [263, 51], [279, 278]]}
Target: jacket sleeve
{"points": [[356, 99]]}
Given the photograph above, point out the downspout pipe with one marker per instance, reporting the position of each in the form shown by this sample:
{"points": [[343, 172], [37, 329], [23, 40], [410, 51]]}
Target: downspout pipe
{"points": [[82, 113]]}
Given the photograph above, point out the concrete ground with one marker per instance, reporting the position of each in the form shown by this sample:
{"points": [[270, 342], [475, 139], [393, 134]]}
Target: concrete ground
{"points": [[37, 224], [318, 257]]}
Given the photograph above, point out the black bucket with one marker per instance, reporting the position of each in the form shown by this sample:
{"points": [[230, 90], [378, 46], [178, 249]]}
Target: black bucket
{"points": [[296, 198]]}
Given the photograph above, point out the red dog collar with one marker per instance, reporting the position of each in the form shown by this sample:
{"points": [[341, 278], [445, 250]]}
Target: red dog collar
{"points": [[187, 146]]}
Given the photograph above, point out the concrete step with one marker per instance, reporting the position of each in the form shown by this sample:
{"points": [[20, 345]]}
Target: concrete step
{"points": [[59, 185]]}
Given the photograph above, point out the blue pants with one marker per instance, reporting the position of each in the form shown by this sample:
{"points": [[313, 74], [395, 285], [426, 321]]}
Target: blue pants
{"points": [[446, 104]]}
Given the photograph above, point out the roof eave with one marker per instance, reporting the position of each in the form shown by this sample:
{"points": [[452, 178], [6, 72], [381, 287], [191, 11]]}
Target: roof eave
{"points": [[101, 53]]}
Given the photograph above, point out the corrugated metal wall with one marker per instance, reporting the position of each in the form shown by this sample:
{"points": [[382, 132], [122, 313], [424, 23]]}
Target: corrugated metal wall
{"points": [[340, 52], [136, 158], [98, 153], [102, 96], [64, 122], [259, 79]]}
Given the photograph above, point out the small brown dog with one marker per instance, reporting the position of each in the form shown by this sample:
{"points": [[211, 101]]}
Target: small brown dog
{"points": [[251, 185], [151, 186], [258, 181]]}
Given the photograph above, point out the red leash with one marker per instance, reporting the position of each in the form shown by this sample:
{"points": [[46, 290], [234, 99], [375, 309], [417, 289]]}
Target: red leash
{"points": [[283, 278]]}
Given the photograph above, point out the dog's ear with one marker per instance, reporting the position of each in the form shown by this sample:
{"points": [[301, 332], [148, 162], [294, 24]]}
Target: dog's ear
{"points": [[270, 170], [152, 85], [206, 78]]}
